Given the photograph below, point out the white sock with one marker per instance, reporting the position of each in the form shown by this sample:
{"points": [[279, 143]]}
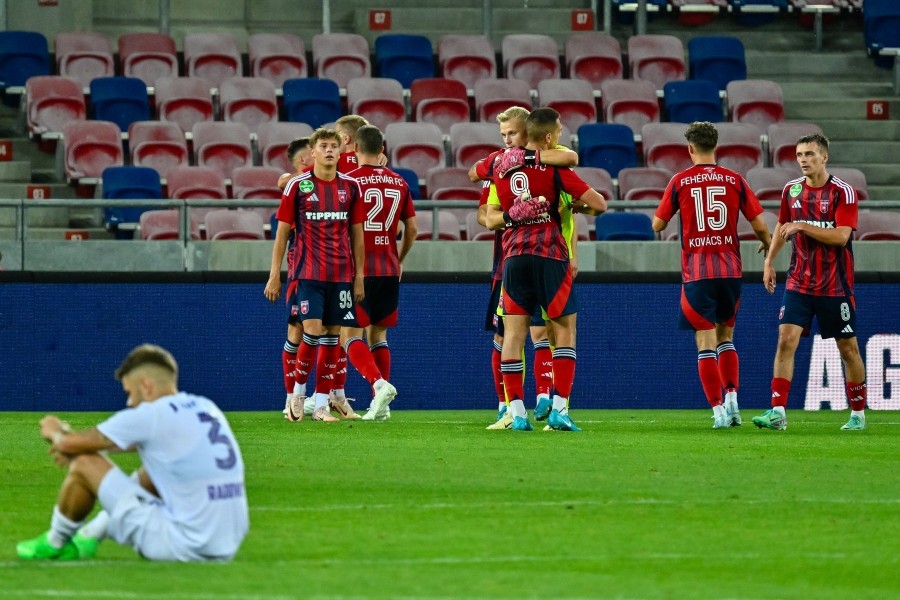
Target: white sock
{"points": [[299, 388], [339, 393], [96, 527], [518, 408], [779, 409], [858, 413], [559, 403], [321, 400], [719, 410], [730, 397], [62, 528], [542, 397], [500, 406]]}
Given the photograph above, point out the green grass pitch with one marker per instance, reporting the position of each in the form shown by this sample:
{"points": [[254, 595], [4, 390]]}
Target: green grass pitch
{"points": [[640, 505]]}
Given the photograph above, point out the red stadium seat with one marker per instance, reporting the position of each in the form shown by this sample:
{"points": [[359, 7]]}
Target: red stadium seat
{"points": [[530, 57], [272, 139], [631, 102], [856, 179], [157, 144], [89, 148], [185, 101], [493, 96], [222, 146], [257, 183], [594, 57], [248, 100], [415, 146], [768, 183], [378, 100], [878, 225], [599, 179], [745, 231], [341, 57], [225, 224], [163, 225], [196, 183], [212, 56], [475, 231], [276, 57], [739, 148], [665, 146], [51, 102], [448, 225], [84, 56], [643, 183], [470, 142], [148, 56], [573, 99], [783, 142], [439, 101], [451, 183], [466, 58], [755, 101], [656, 58]]}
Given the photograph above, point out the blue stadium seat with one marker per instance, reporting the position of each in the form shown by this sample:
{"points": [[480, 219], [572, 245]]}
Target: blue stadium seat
{"points": [[312, 101], [622, 226], [404, 57], [122, 100], [23, 54], [127, 183], [757, 12], [608, 146], [411, 179], [881, 27], [719, 59], [693, 100]]}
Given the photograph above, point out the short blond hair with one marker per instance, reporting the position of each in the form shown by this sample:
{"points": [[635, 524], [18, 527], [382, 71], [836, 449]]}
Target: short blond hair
{"points": [[350, 124], [513, 112], [148, 355]]}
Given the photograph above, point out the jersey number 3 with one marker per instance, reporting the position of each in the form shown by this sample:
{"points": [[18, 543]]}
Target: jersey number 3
{"points": [[216, 437]]}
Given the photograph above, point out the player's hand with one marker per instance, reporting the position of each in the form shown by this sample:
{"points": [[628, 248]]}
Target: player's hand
{"points": [[509, 161], [359, 289], [769, 278], [763, 249], [273, 289], [789, 229], [52, 425], [525, 209], [573, 266], [382, 160]]}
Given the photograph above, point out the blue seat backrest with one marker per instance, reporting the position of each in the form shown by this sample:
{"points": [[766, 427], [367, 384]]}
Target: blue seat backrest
{"points": [[312, 101], [129, 183], [620, 226], [23, 54], [719, 59], [693, 100], [122, 100], [608, 146], [404, 57], [412, 180]]}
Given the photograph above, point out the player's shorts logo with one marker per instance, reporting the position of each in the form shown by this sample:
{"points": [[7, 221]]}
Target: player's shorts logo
{"points": [[781, 313], [794, 191], [304, 307], [306, 186], [295, 310]]}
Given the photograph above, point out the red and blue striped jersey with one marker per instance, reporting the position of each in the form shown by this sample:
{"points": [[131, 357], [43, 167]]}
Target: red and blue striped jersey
{"points": [[816, 268]]}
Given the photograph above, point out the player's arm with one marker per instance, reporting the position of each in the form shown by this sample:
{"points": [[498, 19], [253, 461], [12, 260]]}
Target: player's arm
{"points": [[483, 169], [273, 286], [283, 179], [559, 157], [358, 244], [591, 202], [573, 252], [667, 208], [493, 217], [762, 233], [410, 231], [838, 236], [778, 242], [658, 224], [65, 443]]}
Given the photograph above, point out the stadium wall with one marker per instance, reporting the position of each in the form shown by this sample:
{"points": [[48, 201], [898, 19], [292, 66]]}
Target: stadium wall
{"points": [[62, 339]]}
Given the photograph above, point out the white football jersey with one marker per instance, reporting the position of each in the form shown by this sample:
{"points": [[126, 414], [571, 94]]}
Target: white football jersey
{"points": [[193, 459]]}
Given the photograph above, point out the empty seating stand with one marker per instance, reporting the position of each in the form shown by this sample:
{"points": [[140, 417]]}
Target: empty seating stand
{"points": [[768, 182], [148, 56], [631, 102], [665, 146], [643, 183], [656, 58], [224, 224], [159, 145], [128, 183], [52, 102], [276, 57], [272, 140], [212, 56], [341, 57], [185, 101], [783, 138], [248, 100], [530, 57], [451, 183], [122, 100], [608, 146], [440, 101], [594, 57], [313, 101], [572, 98], [196, 183], [23, 54], [466, 58], [156, 225], [404, 57], [623, 226], [415, 146], [89, 148], [84, 56], [379, 100], [493, 96], [719, 59], [470, 142], [693, 100], [755, 101], [222, 146]]}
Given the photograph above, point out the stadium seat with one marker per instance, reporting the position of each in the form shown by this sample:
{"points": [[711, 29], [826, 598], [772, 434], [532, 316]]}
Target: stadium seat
{"points": [[196, 183], [451, 183], [411, 179], [881, 25], [439, 101], [404, 57], [475, 231], [768, 182], [184, 101], [582, 226], [783, 142], [719, 59], [693, 100], [470, 142], [448, 225], [214, 57], [530, 57], [128, 183], [466, 58], [225, 224], [84, 56], [415, 146], [694, 13], [157, 144], [257, 183], [276, 57], [599, 179], [122, 100], [755, 101], [222, 146], [609, 146], [878, 225], [643, 183], [854, 177], [248, 100], [665, 146], [378, 100], [739, 147], [631, 102], [594, 57], [272, 140], [163, 225], [148, 56], [341, 57], [573, 99], [745, 231], [23, 54], [623, 226], [51, 102], [493, 96], [757, 12], [89, 148], [656, 58], [312, 101]]}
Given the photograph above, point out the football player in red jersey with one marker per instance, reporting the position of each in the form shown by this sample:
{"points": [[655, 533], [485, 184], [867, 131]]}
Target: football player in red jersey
{"points": [[818, 215], [710, 199], [536, 270]]}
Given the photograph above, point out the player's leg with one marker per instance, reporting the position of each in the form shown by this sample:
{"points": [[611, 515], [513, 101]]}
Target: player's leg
{"points": [[77, 497], [519, 301], [558, 297], [494, 323], [543, 366], [837, 319], [326, 366], [316, 300], [698, 311], [729, 301], [291, 345]]}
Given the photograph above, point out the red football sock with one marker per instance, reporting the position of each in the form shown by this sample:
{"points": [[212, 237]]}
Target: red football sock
{"points": [[289, 364], [781, 387], [361, 358], [381, 353], [729, 368], [497, 373], [512, 379], [326, 366], [340, 375], [543, 367], [306, 357], [709, 376], [856, 394], [564, 370]]}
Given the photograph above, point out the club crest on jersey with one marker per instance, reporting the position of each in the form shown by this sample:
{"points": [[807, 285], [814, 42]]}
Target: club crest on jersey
{"points": [[795, 190], [306, 186], [823, 203], [295, 310], [342, 196], [304, 307]]}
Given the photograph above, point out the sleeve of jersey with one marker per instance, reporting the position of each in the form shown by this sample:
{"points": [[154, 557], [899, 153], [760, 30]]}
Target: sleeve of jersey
{"points": [[846, 214], [127, 427], [409, 209], [667, 206], [750, 205], [784, 213], [285, 211], [484, 168], [357, 209], [572, 183]]}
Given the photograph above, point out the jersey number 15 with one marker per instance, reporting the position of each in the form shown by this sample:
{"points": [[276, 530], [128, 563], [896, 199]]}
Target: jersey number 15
{"points": [[709, 210]]}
